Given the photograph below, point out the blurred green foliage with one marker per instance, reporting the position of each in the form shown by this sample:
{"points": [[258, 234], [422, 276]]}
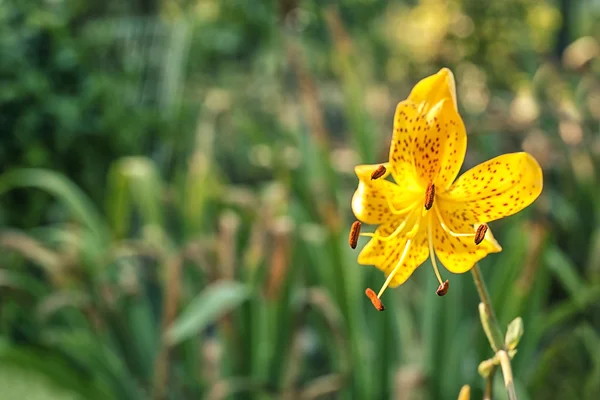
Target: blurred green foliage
{"points": [[77, 93], [176, 184]]}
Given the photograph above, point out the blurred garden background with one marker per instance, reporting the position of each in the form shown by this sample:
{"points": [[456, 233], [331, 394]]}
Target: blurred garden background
{"points": [[175, 186]]}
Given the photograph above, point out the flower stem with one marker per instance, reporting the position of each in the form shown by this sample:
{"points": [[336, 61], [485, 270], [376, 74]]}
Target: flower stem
{"points": [[507, 372], [488, 393], [494, 333]]}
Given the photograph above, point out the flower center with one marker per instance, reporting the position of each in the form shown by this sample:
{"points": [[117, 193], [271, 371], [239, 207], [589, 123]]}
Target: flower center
{"points": [[413, 217]]}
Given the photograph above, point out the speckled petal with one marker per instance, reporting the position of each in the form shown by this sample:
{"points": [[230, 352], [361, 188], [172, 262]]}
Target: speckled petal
{"points": [[459, 254], [370, 201], [385, 254], [435, 88], [427, 147], [492, 190]]}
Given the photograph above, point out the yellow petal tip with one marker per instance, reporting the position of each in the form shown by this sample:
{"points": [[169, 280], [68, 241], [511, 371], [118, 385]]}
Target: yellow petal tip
{"points": [[435, 88]]}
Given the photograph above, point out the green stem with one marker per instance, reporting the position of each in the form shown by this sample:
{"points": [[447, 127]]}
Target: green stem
{"points": [[488, 394], [507, 372], [494, 333]]}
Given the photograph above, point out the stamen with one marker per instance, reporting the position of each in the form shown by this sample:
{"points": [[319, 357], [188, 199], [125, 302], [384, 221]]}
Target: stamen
{"points": [[415, 228], [396, 268], [432, 254], [378, 173], [354, 233], [443, 288], [480, 234], [392, 235], [374, 299], [397, 212], [429, 196], [448, 230]]}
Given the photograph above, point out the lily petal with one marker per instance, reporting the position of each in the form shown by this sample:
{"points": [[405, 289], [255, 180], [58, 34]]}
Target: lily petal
{"points": [[434, 89], [385, 254], [459, 254], [372, 199], [427, 147], [492, 190]]}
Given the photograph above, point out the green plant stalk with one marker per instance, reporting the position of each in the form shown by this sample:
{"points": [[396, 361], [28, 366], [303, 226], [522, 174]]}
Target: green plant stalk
{"points": [[494, 333], [489, 385]]}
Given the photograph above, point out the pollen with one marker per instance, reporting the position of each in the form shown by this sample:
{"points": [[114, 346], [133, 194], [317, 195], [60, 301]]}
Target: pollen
{"points": [[374, 299], [480, 234], [379, 172], [429, 196], [443, 288], [354, 233]]}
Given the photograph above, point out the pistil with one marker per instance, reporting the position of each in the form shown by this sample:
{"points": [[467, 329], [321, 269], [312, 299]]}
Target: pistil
{"points": [[396, 268]]}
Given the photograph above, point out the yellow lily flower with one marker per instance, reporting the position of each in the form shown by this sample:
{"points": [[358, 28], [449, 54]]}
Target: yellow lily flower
{"points": [[426, 213]]}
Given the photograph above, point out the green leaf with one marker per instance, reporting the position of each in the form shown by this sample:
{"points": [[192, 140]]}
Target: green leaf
{"points": [[35, 373], [217, 300], [18, 383], [134, 181], [565, 271], [514, 333], [58, 185]]}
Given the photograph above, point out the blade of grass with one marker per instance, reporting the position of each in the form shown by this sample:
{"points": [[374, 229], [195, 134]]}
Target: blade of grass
{"points": [[212, 303]]}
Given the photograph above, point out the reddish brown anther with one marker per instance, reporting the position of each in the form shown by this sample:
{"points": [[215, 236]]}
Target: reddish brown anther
{"points": [[379, 172], [443, 288], [354, 232], [429, 196], [480, 234], [374, 299]]}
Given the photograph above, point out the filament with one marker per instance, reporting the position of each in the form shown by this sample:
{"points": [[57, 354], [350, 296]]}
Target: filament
{"points": [[415, 228], [392, 235], [402, 211], [448, 230], [396, 268], [431, 253]]}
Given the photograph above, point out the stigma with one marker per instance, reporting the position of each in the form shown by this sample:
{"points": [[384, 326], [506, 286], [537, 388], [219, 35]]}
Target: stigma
{"points": [[374, 299]]}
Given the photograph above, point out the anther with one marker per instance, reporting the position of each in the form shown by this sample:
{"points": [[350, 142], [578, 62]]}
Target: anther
{"points": [[379, 172], [480, 234], [354, 233], [429, 196], [374, 299], [443, 288]]}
